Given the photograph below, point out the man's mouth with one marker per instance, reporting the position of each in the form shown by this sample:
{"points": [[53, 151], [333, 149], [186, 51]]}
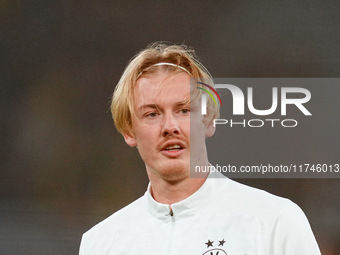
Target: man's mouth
{"points": [[173, 147]]}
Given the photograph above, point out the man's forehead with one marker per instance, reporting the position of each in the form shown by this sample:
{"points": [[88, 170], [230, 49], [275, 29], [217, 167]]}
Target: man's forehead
{"points": [[163, 79], [173, 86], [142, 101]]}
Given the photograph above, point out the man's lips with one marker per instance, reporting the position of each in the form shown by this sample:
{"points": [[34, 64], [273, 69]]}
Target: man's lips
{"points": [[173, 145], [173, 149]]}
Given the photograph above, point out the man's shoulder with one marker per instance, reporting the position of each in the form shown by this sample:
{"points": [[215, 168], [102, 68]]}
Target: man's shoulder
{"points": [[247, 200], [255, 195], [110, 225]]}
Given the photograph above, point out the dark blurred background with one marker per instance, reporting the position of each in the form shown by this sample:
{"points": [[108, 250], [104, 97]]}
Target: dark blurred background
{"points": [[64, 167]]}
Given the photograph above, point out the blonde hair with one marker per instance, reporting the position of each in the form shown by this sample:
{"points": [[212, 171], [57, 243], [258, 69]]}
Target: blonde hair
{"points": [[180, 58]]}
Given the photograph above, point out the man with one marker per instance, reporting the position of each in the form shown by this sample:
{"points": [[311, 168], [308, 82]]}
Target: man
{"points": [[153, 107]]}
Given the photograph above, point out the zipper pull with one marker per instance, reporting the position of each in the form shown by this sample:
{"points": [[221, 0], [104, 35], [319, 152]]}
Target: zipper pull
{"points": [[171, 212]]}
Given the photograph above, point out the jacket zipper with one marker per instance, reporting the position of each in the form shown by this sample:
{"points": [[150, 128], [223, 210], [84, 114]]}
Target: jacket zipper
{"points": [[172, 226]]}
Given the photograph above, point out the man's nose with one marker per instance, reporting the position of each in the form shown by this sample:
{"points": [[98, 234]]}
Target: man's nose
{"points": [[170, 125]]}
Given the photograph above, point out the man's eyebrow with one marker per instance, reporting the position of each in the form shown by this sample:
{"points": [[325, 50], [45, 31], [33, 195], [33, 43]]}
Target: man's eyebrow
{"points": [[183, 103], [153, 106]]}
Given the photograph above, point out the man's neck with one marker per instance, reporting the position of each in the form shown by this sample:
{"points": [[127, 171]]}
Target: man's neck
{"points": [[170, 192]]}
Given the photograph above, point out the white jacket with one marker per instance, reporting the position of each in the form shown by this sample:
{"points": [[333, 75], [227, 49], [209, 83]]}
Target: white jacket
{"points": [[222, 217]]}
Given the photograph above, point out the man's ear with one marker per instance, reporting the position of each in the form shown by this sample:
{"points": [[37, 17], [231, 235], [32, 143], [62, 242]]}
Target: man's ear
{"points": [[210, 130], [130, 139]]}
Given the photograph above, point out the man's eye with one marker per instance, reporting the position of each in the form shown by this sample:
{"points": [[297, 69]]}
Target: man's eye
{"points": [[185, 111], [152, 115]]}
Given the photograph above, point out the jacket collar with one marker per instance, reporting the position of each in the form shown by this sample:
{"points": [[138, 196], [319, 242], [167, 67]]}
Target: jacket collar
{"points": [[187, 207]]}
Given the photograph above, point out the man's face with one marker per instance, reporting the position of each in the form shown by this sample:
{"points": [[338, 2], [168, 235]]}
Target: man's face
{"points": [[161, 125]]}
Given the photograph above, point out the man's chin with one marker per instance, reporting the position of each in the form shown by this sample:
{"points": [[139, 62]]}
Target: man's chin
{"points": [[175, 171]]}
